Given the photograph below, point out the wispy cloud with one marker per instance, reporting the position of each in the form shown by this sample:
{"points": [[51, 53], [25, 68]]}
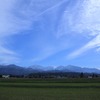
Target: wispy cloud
{"points": [[51, 8], [6, 51], [6, 59], [60, 20], [98, 50], [17, 16], [87, 23], [9, 25], [92, 44], [82, 18], [8, 56], [49, 49]]}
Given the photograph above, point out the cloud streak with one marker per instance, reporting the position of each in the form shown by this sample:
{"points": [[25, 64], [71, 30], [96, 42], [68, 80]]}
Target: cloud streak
{"points": [[8, 27], [61, 22], [51, 8], [7, 56], [87, 23], [92, 44], [17, 16], [5, 59]]}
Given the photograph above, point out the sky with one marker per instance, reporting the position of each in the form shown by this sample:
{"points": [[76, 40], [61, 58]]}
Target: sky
{"points": [[50, 32]]}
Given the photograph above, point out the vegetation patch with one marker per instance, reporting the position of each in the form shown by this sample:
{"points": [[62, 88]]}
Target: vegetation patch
{"points": [[50, 89]]}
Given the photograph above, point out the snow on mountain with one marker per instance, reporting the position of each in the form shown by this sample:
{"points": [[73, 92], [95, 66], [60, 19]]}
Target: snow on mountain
{"points": [[13, 69], [69, 68]]}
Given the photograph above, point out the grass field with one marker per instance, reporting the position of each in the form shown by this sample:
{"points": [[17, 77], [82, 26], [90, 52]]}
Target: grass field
{"points": [[50, 89]]}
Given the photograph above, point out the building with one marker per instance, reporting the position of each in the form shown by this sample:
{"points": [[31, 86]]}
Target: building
{"points": [[5, 76]]}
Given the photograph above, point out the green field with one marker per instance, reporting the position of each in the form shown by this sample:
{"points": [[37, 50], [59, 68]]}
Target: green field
{"points": [[50, 89]]}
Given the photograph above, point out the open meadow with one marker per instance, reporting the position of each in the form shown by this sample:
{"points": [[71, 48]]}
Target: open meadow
{"points": [[50, 89]]}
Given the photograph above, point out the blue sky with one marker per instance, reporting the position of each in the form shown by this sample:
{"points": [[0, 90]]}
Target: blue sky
{"points": [[50, 32]]}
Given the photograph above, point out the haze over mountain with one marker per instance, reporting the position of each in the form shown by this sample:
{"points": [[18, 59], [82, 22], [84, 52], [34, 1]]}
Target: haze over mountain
{"points": [[17, 70]]}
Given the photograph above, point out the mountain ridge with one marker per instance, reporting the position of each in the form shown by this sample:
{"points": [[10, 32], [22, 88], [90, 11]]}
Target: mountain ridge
{"points": [[18, 70]]}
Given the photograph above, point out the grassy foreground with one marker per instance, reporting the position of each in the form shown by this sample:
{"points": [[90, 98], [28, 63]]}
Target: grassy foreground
{"points": [[50, 89]]}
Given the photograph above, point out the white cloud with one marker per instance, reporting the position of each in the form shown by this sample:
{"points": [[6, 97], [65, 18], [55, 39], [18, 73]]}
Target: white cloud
{"points": [[53, 7], [7, 28], [17, 16], [83, 17], [12, 19], [5, 51], [48, 50], [98, 50], [87, 22], [8, 59], [8, 56], [5, 25], [92, 44]]}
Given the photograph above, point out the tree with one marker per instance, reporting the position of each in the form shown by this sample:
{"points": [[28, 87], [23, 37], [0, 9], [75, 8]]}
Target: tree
{"points": [[81, 75]]}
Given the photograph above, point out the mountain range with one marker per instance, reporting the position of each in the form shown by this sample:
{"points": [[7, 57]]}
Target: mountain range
{"points": [[17, 70]]}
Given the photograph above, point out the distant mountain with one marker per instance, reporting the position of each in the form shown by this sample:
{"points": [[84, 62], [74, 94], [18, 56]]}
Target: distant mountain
{"points": [[17, 70], [69, 68]]}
